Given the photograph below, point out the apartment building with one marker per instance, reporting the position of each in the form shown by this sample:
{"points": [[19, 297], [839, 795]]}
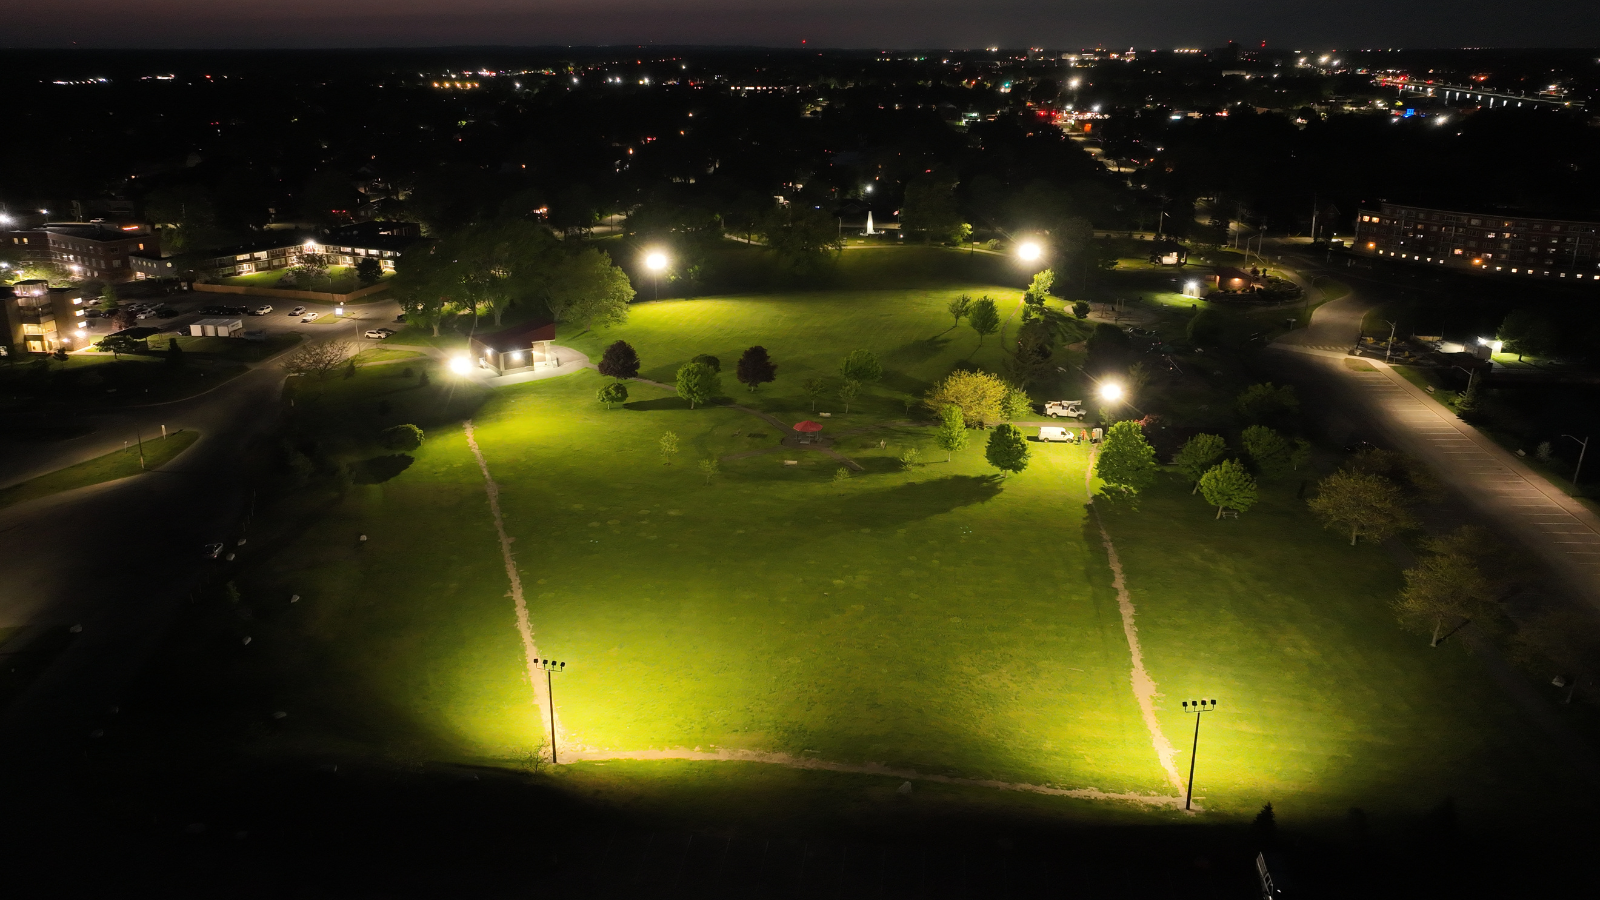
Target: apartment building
{"points": [[42, 319], [1506, 244]]}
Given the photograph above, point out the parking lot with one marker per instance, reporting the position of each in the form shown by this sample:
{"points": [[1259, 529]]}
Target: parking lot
{"points": [[171, 314]]}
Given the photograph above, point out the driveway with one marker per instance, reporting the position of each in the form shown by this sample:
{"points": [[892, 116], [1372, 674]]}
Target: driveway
{"points": [[1520, 503]]}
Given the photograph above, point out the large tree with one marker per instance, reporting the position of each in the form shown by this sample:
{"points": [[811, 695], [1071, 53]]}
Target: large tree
{"points": [[803, 236], [959, 307], [587, 288], [698, 383], [1126, 462], [620, 361], [1198, 455], [1228, 486], [755, 368], [862, 366], [1365, 504], [1265, 403], [978, 395], [1449, 586], [1007, 449], [1269, 450], [984, 318], [930, 212]]}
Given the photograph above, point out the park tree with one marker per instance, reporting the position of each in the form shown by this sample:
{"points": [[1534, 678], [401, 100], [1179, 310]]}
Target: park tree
{"points": [[1080, 309], [814, 388], [959, 308], [587, 288], [709, 360], [848, 391], [1109, 349], [1525, 331], [910, 458], [668, 446], [1409, 472], [1198, 455], [1126, 462], [756, 368], [930, 212], [1449, 586], [951, 432], [317, 359], [369, 270], [1369, 504], [804, 237], [118, 344], [1016, 405], [710, 468], [1227, 485], [1266, 403], [984, 318], [862, 366], [174, 353], [1268, 449], [1204, 328], [978, 395], [615, 392], [698, 383], [1039, 288], [1007, 449], [620, 361], [401, 437]]}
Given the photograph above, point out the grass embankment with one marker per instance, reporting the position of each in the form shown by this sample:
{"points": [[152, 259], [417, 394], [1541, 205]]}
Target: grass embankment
{"points": [[940, 619], [340, 280], [234, 349], [122, 463]]}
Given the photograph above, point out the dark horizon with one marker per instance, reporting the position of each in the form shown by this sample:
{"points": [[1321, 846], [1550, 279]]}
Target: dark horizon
{"points": [[830, 24]]}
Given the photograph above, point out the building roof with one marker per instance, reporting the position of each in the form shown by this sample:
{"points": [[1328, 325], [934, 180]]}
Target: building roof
{"points": [[518, 337]]}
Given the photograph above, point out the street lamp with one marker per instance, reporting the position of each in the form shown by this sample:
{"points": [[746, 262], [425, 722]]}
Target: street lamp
{"points": [[1029, 252], [460, 365], [550, 667], [1197, 707], [655, 262], [1111, 391], [1585, 445]]}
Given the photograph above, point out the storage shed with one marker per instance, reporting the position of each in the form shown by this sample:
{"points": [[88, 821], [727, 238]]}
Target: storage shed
{"points": [[525, 346], [216, 328]]}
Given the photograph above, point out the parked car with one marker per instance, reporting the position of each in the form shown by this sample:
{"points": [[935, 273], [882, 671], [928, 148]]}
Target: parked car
{"points": [[298, 311], [144, 314], [261, 310], [213, 310], [167, 312], [212, 551], [309, 317], [400, 318], [378, 334]]}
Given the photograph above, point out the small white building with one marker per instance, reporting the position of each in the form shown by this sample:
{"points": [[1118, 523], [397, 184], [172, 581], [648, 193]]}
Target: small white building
{"points": [[216, 328]]}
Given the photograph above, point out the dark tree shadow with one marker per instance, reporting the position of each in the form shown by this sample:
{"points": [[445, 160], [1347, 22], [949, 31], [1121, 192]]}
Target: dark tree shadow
{"points": [[379, 469], [916, 500], [917, 351], [659, 403]]}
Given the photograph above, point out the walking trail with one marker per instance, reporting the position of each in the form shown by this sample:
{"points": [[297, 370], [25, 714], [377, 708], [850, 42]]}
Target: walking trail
{"points": [[1144, 688]]}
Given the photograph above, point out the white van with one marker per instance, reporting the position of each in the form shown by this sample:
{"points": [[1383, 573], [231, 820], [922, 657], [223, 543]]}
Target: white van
{"points": [[1049, 434]]}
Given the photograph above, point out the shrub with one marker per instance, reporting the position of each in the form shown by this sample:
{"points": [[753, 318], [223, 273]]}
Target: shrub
{"points": [[401, 437]]}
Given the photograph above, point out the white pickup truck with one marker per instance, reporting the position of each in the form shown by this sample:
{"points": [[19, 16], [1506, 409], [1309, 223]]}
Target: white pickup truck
{"points": [[1072, 409]]}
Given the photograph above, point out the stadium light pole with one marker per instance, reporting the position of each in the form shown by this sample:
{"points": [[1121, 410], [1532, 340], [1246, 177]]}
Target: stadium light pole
{"points": [[550, 667], [1197, 707], [1584, 445], [655, 262]]}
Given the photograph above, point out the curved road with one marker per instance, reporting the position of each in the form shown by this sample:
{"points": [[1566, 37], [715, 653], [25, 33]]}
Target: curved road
{"points": [[1520, 503]]}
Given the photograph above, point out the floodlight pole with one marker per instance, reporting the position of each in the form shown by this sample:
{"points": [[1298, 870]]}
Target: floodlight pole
{"points": [[1197, 707], [550, 667], [138, 436], [1579, 468]]}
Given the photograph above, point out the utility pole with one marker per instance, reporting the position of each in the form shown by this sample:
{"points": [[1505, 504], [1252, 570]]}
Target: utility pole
{"points": [[1389, 350], [1584, 444], [139, 436], [550, 667], [1313, 217], [1197, 707]]}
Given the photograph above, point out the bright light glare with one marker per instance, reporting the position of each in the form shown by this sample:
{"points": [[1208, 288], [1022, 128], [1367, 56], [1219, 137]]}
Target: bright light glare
{"points": [[1029, 251], [1111, 391], [460, 365], [655, 262]]}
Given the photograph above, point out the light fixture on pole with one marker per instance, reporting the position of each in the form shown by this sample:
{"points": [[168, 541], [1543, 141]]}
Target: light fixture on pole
{"points": [[1197, 707], [655, 262], [1110, 391], [1584, 444], [550, 667], [1029, 251]]}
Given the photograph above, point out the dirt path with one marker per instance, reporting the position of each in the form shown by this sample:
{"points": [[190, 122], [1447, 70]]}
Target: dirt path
{"points": [[524, 626], [796, 762], [1144, 687]]}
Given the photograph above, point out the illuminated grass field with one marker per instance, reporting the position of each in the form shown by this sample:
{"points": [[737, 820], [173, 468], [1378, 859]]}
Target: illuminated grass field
{"points": [[941, 619]]}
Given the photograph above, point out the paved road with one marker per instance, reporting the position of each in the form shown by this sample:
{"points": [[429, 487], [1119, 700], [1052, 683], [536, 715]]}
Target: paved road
{"points": [[1522, 504]]}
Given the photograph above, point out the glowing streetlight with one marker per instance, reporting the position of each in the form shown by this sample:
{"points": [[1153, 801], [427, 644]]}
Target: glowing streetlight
{"points": [[1111, 391], [1029, 252], [460, 365], [1197, 707], [655, 262]]}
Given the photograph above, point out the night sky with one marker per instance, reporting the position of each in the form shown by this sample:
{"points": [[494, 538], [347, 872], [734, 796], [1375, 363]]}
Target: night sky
{"points": [[785, 23]]}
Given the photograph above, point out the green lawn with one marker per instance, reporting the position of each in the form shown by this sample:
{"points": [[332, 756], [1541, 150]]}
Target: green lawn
{"points": [[340, 280], [941, 619], [236, 349], [117, 464]]}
